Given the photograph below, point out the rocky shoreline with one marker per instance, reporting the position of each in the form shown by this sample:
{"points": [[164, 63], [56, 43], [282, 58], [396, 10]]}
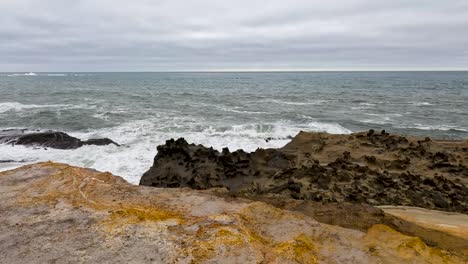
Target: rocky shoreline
{"points": [[362, 198], [364, 168]]}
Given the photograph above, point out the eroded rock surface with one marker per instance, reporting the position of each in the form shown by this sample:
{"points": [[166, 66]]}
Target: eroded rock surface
{"points": [[55, 213], [371, 168], [49, 139]]}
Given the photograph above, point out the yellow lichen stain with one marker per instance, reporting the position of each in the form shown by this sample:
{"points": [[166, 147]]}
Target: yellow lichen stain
{"points": [[229, 236], [301, 250], [226, 238], [89, 190], [404, 247], [136, 215]]}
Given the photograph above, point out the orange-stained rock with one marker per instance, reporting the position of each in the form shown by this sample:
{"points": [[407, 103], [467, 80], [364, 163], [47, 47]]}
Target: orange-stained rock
{"points": [[55, 213]]}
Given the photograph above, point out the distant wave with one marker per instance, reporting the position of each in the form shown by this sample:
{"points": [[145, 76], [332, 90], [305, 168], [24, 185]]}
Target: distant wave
{"points": [[56, 74], [235, 110], [421, 103], [367, 104], [311, 102], [439, 127], [384, 116], [380, 119], [15, 106], [41, 74], [374, 121], [363, 106], [23, 74]]}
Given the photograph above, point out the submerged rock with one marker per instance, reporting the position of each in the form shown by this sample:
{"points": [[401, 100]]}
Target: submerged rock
{"points": [[370, 168], [50, 139], [57, 213]]}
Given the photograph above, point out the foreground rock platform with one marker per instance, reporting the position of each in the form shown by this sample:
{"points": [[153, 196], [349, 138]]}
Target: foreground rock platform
{"points": [[55, 213], [375, 168]]}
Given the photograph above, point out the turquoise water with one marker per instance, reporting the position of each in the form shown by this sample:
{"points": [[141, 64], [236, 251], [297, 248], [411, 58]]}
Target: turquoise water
{"points": [[238, 110]]}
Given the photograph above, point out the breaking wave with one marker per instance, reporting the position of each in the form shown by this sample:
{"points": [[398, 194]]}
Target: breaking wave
{"points": [[139, 139]]}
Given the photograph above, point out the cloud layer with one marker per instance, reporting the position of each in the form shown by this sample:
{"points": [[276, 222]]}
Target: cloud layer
{"points": [[144, 35]]}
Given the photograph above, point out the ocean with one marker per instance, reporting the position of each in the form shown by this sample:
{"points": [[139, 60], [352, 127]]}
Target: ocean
{"points": [[235, 110]]}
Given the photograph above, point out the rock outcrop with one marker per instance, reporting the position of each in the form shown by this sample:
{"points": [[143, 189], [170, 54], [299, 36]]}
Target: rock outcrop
{"points": [[48, 139], [55, 213], [371, 168]]}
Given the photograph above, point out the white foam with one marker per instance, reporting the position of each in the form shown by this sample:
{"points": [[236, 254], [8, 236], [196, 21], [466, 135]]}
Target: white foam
{"points": [[332, 128], [139, 140]]}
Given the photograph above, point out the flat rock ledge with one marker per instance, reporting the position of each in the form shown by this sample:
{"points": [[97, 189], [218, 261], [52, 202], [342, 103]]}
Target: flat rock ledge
{"points": [[55, 213]]}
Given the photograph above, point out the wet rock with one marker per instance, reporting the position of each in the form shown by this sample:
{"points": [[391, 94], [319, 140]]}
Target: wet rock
{"points": [[100, 142], [47, 139]]}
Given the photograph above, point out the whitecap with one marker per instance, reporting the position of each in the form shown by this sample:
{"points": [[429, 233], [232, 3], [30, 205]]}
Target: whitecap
{"points": [[421, 103], [56, 74], [23, 74], [367, 104]]}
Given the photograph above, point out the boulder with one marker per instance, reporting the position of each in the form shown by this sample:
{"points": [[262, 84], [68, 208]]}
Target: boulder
{"points": [[47, 139]]}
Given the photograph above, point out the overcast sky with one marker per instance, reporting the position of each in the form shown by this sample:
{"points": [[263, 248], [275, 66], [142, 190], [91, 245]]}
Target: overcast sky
{"points": [[175, 35]]}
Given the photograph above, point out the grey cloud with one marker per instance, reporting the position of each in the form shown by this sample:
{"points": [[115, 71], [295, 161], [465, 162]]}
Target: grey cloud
{"points": [[143, 35]]}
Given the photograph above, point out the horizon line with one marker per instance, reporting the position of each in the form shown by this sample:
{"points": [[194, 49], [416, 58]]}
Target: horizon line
{"points": [[245, 71]]}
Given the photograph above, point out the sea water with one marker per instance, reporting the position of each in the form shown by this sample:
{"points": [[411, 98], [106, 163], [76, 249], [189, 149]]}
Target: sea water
{"points": [[234, 110]]}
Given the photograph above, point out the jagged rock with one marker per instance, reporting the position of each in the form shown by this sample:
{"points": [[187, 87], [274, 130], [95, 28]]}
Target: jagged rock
{"points": [[50, 139], [179, 164], [372, 168], [55, 213]]}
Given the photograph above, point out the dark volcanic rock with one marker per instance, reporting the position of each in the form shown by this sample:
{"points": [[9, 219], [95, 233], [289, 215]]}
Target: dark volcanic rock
{"points": [[370, 168], [99, 142], [51, 139], [179, 164]]}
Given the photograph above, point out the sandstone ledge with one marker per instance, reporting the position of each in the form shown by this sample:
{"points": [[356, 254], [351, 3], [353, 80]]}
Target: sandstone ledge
{"points": [[55, 213]]}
